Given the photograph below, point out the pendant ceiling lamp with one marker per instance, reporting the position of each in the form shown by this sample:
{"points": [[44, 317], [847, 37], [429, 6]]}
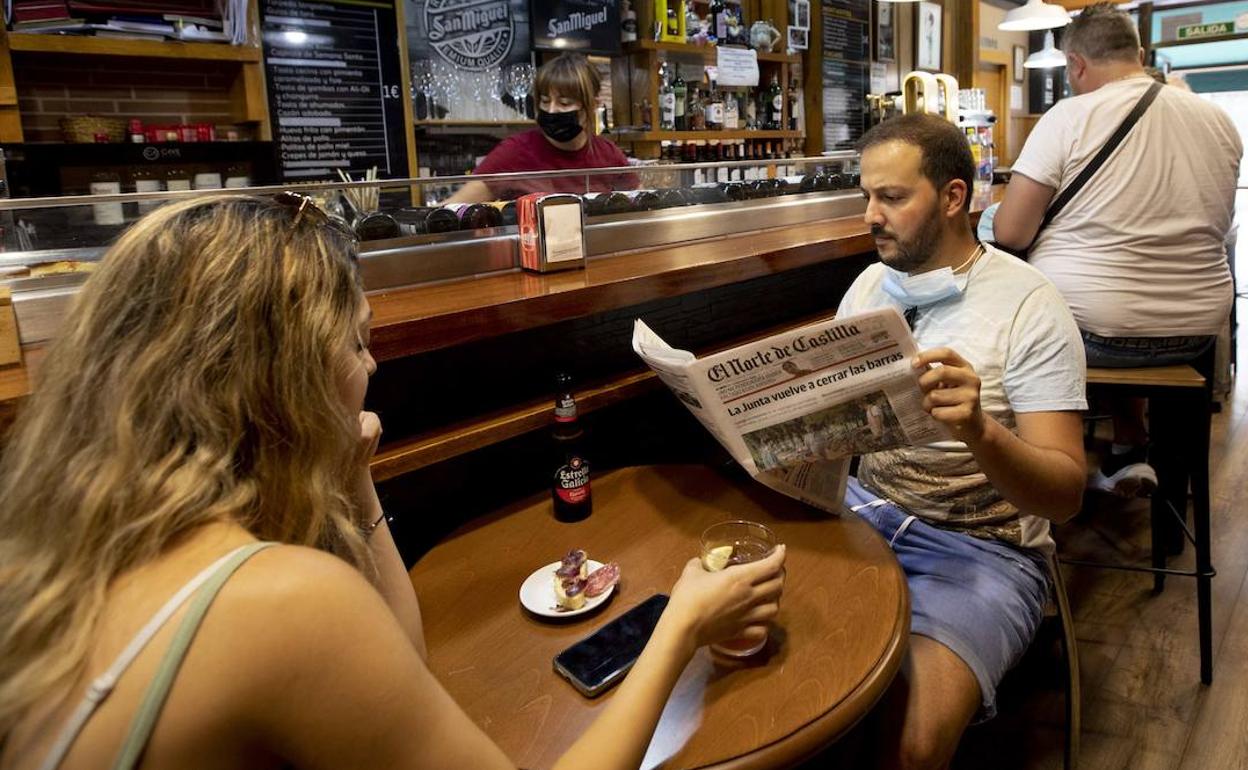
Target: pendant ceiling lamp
{"points": [[1046, 58], [1036, 14]]}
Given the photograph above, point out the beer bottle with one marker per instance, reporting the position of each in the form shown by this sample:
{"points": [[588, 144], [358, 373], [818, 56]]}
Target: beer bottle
{"points": [[570, 484]]}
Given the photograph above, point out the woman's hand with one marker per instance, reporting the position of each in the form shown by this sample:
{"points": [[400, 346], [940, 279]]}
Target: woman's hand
{"points": [[737, 601], [366, 447]]}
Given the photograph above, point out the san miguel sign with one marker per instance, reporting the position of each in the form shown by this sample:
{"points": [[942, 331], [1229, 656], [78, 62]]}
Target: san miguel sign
{"points": [[471, 34]]}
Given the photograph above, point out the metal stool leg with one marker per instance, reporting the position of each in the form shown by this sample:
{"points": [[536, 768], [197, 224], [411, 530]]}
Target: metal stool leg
{"points": [[1199, 464], [1070, 650]]}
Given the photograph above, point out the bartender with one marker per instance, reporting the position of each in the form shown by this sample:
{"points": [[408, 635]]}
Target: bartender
{"points": [[565, 138]]}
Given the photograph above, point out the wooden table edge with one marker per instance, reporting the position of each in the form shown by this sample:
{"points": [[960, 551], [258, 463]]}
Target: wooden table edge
{"points": [[823, 731]]}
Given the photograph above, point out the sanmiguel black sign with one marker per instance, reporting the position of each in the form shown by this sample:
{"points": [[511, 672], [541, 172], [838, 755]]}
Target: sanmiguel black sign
{"points": [[586, 26], [473, 35], [335, 87]]}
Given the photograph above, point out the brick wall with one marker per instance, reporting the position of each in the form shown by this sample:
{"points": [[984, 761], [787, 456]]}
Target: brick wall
{"points": [[155, 91]]}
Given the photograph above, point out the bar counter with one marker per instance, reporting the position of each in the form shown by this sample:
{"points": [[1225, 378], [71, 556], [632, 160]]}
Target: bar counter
{"points": [[435, 316]]}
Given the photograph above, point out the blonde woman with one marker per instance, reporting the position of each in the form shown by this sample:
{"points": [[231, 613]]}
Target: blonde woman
{"points": [[194, 568], [566, 89]]}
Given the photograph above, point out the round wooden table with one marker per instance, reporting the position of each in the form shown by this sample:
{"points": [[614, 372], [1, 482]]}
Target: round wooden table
{"points": [[836, 645]]}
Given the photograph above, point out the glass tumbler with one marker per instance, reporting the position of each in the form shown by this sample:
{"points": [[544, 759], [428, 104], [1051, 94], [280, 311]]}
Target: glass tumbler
{"points": [[736, 542]]}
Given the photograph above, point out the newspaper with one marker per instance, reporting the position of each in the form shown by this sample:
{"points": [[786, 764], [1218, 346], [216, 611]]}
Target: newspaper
{"points": [[793, 408]]}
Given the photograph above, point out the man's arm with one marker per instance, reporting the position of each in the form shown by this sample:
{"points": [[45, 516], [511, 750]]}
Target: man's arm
{"points": [[471, 192], [1019, 216], [1040, 470]]}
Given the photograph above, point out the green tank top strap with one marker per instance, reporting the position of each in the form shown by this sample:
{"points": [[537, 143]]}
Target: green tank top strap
{"points": [[158, 691]]}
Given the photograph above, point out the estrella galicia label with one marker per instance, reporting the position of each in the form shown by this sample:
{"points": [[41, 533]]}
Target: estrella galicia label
{"points": [[471, 34]]}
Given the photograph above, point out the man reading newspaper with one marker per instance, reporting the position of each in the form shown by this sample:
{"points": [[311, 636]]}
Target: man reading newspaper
{"points": [[1001, 366]]}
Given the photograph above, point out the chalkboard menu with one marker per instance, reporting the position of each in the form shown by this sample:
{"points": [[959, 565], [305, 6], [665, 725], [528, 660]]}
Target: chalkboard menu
{"points": [[846, 70], [335, 87], [587, 26]]}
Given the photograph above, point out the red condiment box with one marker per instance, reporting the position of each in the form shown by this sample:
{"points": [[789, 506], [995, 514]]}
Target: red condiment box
{"points": [[552, 232]]}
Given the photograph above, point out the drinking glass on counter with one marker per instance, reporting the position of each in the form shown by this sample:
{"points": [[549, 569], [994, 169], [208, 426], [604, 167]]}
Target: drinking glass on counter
{"points": [[736, 542]]}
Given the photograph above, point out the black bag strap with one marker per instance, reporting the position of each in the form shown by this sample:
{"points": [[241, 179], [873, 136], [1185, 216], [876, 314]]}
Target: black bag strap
{"points": [[1123, 129]]}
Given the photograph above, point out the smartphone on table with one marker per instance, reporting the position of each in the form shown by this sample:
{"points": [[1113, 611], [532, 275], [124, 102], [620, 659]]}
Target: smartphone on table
{"points": [[601, 659]]}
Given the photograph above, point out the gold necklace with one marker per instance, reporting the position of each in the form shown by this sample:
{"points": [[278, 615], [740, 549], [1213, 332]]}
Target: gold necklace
{"points": [[975, 252]]}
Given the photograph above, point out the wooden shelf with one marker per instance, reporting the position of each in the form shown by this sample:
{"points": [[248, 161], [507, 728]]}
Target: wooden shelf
{"points": [[461, 438], [104, 46], [472, 123], [705, 51], [450, 441], [659, 136]]}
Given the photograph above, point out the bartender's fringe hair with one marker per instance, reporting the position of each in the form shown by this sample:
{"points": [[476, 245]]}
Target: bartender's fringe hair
{"points": [[196, 380], [572, 76]]}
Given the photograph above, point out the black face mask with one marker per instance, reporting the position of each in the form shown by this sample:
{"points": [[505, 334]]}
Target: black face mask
{"points": [[560, 126]]}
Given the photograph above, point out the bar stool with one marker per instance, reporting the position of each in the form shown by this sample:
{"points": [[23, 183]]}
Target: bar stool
{"points": [[1179, 424]]}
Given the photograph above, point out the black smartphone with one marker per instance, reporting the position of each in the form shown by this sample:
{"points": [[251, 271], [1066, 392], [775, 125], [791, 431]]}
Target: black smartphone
{"points": [[601, 659]]}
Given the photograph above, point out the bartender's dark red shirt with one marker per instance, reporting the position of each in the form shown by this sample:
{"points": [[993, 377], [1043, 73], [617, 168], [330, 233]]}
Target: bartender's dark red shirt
{"points": [[530, 151]]}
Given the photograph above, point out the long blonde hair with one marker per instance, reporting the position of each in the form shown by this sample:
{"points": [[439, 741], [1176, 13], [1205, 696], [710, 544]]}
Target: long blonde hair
{"points": [[196, 380]]}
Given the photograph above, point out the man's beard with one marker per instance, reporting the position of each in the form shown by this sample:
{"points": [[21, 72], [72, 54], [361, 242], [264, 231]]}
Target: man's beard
{"points": [[915, 252]]}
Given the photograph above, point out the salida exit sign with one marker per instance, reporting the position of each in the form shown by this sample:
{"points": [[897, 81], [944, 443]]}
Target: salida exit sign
{"points": [[1215, 29]]}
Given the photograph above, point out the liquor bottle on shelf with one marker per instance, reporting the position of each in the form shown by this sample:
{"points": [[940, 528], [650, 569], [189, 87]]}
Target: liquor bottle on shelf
{"points": [[680, 91], [774, 104], [719, 21], [696, 112], [721, 155], [751, 109], [474, 216], [732, 111], [647, 114], [795, 105], [570, 489], [673, 20], [628, 23], [714, 110], [667, 103]]}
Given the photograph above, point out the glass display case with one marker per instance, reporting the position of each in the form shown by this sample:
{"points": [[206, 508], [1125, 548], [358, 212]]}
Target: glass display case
{"points": [[414, 230]]}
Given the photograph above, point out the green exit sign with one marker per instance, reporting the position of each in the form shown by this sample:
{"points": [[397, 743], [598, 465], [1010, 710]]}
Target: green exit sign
{"points": [[1216, 29]]}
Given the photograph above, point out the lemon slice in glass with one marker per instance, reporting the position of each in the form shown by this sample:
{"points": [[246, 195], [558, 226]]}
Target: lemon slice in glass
{"points": [[717, 558]]}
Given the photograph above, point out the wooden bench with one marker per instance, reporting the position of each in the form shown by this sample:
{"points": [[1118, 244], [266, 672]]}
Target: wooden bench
{"points": [[1179, 424]]}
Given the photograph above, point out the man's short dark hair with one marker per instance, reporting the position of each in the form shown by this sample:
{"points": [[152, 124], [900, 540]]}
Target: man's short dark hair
{"points": [[946, 153], [1101, 32]]}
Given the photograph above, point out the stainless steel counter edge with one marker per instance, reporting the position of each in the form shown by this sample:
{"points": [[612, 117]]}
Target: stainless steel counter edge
{"points": [[41, 302]]}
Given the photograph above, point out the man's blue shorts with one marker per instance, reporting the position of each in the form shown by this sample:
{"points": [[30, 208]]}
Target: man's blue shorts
{"points": [[983, 599]]}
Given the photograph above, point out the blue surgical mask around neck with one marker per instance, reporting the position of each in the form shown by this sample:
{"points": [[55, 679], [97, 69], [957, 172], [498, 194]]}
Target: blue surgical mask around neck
{"points": [[923, 289]]}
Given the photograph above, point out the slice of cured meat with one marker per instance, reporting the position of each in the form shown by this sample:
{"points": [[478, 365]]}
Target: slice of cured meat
{"points": [[602, 579]]}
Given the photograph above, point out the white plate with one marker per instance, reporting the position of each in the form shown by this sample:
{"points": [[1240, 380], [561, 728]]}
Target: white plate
{"points": [[537, 593]]}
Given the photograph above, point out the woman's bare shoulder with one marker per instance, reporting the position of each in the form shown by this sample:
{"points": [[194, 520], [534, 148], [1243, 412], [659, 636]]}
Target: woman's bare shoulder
{"points": [[300, 587]]}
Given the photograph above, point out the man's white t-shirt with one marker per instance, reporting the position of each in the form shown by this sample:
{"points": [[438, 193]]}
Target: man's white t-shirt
{"points": [[1138, 252], [1012, 326]]}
